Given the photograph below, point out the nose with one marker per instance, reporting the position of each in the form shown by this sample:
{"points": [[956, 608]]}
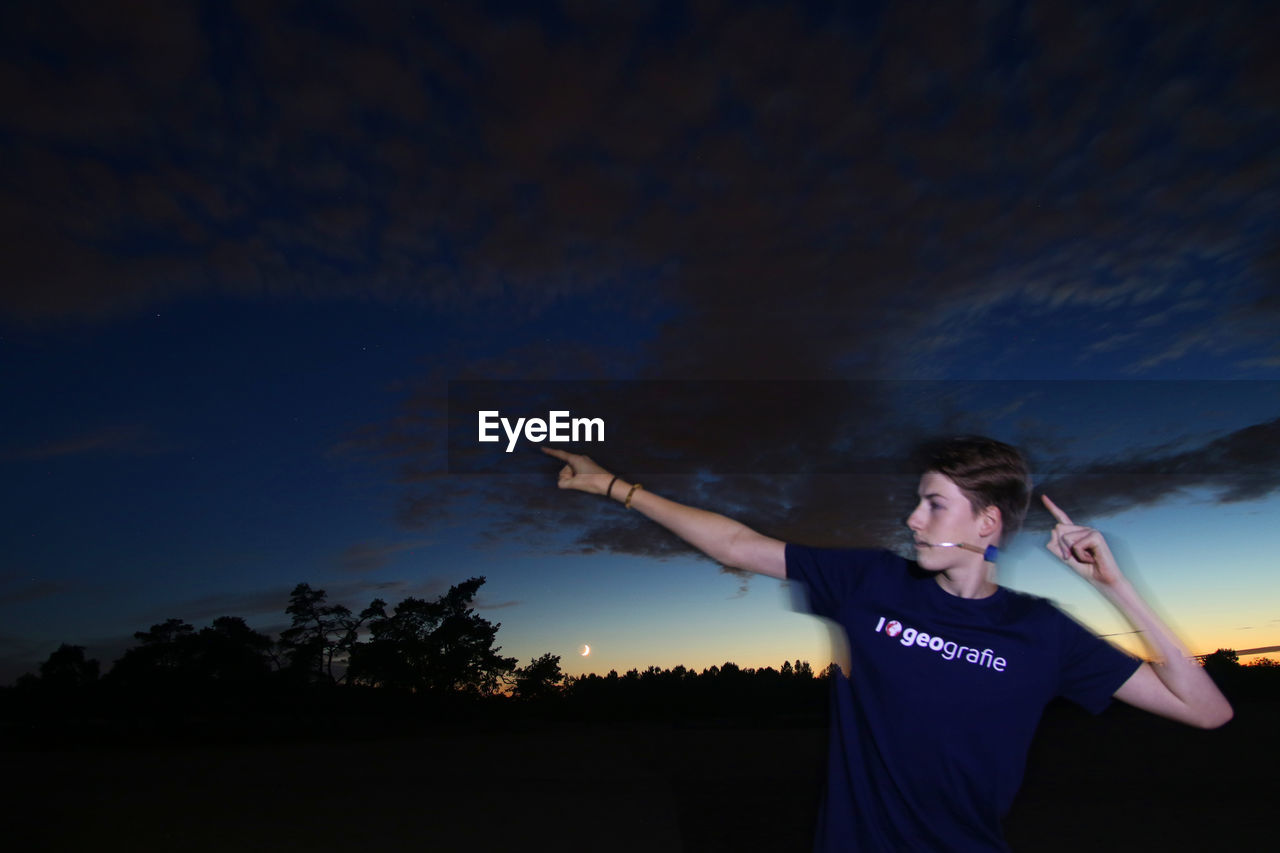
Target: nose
{"points": [[914, 520]]}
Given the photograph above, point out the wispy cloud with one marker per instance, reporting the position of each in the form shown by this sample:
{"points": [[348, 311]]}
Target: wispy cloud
{"points": [[484, 604], [130, 440], [371, 556], [354, 594], [31, 592]]}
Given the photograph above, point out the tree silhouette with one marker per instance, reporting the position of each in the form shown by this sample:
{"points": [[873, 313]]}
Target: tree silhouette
{"points": [[1224, 668], [1223, 657], [320, 634], [174, 655], [230, 652], [1224, 663], [163, 657], [66, 669], [441, 645], [65, 689], [541, 679]]}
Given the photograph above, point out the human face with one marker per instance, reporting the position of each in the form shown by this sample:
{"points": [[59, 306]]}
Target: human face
{"points": [[944, 514]]}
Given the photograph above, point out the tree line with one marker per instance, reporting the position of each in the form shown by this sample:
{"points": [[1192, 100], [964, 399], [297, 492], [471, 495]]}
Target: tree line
{"points": [[423, 658], [420, 656], [436, 645]]}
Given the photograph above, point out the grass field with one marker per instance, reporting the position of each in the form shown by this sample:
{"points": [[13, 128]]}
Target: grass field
{"points": [[1123, 781]]}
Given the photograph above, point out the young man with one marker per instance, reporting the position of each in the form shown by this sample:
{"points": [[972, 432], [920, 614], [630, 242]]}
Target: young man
{"points": [[949, 672]]}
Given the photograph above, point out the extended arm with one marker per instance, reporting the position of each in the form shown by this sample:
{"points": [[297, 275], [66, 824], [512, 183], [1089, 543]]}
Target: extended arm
{"points": [[1172, 686], [724, 540]]}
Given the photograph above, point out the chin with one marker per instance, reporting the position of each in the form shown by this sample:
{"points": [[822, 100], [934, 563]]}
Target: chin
{"points": [[935, 563], [924, 557]]}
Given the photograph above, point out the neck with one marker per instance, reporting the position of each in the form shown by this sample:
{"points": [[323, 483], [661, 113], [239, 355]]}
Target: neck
{"points": [[971, 581]]}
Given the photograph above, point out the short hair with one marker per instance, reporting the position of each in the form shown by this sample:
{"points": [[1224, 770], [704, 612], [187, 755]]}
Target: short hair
{"points": [[988, 473]]}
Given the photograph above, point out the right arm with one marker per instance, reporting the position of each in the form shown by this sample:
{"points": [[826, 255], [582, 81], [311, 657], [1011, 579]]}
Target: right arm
{"points": [[724, 540]]}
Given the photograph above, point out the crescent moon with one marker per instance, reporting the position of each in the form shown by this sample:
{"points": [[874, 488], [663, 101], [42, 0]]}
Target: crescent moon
{"points": [[586, 650]]}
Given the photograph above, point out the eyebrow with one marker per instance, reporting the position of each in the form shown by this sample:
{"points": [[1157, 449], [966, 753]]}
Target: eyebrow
{"points": [[934, 495]]}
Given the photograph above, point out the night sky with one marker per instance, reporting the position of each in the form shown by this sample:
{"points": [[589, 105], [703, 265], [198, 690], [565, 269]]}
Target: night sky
{"points": [[251, 248]]}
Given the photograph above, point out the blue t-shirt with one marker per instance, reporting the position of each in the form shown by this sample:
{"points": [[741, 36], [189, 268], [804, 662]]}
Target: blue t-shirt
{"points": [[930, 730]]}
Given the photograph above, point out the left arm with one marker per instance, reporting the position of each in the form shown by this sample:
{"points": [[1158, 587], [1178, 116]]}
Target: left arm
{"points": [[1174, 685]]}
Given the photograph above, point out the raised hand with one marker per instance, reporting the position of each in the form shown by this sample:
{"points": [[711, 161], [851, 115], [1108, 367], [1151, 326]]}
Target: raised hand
{"points": [[1081, 548], [580, 472]]}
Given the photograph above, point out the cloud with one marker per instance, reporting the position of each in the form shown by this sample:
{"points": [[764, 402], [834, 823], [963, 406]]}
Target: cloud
{"points": [[356, 595], [483, 604], [852, 483], [1243, 465], [32, 592], [370, 556], [12, 641], [206, 608], [714, 192], [130, 440], [795, 196]]}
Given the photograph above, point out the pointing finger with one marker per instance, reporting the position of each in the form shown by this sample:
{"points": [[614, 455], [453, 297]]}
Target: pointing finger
{"points": [[557, 453], [1054, 510]]}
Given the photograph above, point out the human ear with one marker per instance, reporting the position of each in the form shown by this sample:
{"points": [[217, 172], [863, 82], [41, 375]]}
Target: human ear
{"points": [[989, 523]]}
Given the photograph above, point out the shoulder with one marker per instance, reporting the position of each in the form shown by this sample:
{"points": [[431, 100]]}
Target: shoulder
{"points": [[1054, 626], [1027, 607], [805, 559], [833, 576], [1029, 601]]}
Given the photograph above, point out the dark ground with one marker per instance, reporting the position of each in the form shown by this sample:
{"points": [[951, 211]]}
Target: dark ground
{"points": [[1124, 781]]}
